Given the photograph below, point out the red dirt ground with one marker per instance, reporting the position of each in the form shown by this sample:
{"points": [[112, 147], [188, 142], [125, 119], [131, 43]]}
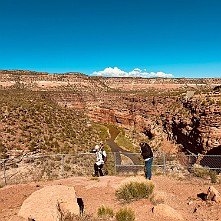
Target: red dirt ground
{"points": [[181, 195]]}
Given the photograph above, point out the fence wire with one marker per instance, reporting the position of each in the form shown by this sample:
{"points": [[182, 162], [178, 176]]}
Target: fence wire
{"points": [[56, 166]]}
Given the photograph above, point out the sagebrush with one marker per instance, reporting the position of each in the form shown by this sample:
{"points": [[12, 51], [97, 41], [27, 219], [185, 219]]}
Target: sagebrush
{"points": [[105, 212], [125, 214], [134, 190]]}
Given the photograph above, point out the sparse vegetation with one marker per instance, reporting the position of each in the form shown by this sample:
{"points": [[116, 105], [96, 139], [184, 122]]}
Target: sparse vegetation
{"points": [[134, 190], [213, 176], [34, 121], [200, 171], [103, 131], [124, 142], [67, 216], [105, 212], [125, 214]]}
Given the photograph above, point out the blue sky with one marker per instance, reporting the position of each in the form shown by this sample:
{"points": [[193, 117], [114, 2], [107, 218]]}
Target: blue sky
{"points": [[148, 38]]}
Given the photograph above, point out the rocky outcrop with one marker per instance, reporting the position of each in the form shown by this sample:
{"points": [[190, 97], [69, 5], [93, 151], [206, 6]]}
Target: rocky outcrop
{"points": [[49, 203], [213, 194], [197, 126]]}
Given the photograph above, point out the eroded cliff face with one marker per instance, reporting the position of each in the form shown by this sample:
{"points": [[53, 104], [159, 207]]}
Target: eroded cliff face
{"points": [[185, 111], [198, 126]]}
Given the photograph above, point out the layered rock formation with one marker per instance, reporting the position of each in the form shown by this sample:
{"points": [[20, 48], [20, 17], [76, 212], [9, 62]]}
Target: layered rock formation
{"points": [[187, 111]]}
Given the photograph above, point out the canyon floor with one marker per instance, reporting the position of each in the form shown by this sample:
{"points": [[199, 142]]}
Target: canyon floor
{"points": [[181, 195]]}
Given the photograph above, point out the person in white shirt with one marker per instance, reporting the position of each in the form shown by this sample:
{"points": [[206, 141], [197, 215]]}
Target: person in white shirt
{"points": [[101, 155]]}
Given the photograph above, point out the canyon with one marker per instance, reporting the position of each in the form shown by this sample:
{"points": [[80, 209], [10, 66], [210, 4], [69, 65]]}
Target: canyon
{"points": [[184, 111]]}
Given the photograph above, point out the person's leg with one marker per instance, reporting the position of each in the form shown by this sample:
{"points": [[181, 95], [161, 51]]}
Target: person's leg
{"points": [[96, 168], [148, 165], [145, 169], [100, 170]]}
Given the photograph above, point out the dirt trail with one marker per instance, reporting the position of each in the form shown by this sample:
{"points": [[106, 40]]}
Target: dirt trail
{"points": [[180, 195]]}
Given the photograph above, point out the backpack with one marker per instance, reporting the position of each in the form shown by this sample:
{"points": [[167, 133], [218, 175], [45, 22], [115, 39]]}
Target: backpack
{"points": [[104, 156]]}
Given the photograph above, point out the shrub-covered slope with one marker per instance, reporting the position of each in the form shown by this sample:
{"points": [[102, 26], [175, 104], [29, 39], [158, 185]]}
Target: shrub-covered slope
{"points": [[32, 121]]}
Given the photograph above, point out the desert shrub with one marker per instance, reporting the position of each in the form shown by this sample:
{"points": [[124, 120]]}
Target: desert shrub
{"points": [[67, 168], [73, 217], [32, 146], [134, 190], [125, 214], [4, 156], [200, 171], [67, 216], [105, 212], [2, 148], [213, 176]]}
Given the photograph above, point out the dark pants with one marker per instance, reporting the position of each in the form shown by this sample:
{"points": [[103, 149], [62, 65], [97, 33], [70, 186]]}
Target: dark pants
{"points": [[148, 165], [98, 170]]}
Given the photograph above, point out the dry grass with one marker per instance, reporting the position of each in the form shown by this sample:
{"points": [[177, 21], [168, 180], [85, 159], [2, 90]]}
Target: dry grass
{"points": [[134, 190]]}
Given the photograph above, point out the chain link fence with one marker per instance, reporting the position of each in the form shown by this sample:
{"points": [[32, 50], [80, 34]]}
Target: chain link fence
{"points": [[58, 166]]}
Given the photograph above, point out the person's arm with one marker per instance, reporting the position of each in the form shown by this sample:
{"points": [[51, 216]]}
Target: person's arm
{"points": [[104, 153]]}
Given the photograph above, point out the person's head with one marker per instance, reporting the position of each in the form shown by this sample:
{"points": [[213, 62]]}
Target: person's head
{"points": [[97, 148], [144, 145]]}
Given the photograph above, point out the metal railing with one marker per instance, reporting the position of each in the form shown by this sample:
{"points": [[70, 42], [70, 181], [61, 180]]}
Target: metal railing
{"points": [[43, 167]]}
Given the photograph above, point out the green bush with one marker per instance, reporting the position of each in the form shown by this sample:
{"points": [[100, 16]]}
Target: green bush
{"points": [[200, 171], [134, 191], [213, 176], [125, 214], [105, 212]]}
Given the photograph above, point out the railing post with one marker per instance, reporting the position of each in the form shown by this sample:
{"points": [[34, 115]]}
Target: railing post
{"points": [[164, 164], [62, 166], [115, 162]]}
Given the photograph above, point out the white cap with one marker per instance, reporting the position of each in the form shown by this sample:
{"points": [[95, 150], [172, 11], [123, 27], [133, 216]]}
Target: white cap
{"points": [[97, 147]]}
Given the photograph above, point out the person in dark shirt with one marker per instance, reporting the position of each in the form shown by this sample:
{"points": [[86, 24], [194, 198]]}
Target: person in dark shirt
{"points": [[147, 155]]}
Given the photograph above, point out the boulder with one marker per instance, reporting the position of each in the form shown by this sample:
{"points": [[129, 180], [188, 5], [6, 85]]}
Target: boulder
{"points": [[166, 211], [213, 194], [47, 203]]}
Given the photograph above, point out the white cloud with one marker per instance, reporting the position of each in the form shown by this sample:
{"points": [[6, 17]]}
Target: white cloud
{"points": [[137, 69], [136, 72], [111, 72]]}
